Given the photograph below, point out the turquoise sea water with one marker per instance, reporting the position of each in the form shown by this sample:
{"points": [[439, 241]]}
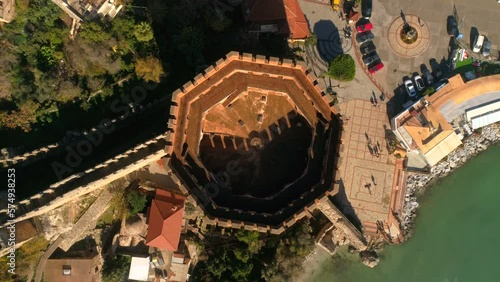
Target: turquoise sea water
{"points": [[456, 238]]}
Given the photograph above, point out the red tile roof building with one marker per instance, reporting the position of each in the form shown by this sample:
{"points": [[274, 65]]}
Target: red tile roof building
{"points": [[165, 220], [279, 16]]}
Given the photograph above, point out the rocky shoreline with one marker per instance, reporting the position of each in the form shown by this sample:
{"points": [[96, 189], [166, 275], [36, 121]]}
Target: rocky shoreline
{"points": [[417, 183]]}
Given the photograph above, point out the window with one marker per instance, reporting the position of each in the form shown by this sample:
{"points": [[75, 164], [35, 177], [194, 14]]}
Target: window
{"points": [[66, 270]]}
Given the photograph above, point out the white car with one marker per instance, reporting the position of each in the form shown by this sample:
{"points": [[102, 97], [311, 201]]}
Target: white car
{"points": [[410, 89], [478, 43], [419, 82]]}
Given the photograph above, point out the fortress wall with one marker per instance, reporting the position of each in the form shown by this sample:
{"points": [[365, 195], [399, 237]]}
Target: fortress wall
{"points": [[55, 148], [232, 56], [343, 224], [106, 173]]}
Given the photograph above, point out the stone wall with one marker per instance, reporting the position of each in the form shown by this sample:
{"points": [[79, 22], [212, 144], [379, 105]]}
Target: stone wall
{"points": [[418, 182], [77, 185], [27, 158], [342, 224]]}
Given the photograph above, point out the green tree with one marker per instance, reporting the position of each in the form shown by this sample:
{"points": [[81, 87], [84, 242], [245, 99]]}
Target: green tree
{"points": [[22, 118], [251, 238], [190, 43], [93, 32], [241, 253], [143, 32], [149, 69], [342, 68], [136, 202], [115, 269], [216, 19], [296, 243], [48, 58], [28, 255]]}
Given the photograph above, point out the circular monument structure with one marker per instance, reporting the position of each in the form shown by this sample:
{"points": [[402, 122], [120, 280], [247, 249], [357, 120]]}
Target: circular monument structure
{"points": [[409, 36]]}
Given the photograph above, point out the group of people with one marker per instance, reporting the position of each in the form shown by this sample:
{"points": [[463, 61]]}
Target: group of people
{"points": [[375, 149], [369, 185]]}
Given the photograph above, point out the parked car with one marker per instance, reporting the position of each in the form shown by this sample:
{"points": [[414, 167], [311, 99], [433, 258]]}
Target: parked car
{"points": [[371, 58], [335, 4], [436, 69], [419, 82], [364, 37], [367, 48], [378, 66], [452, 26], [428, 76], [487, 48], [410, 89], [366, 8], [478, 43], [364, 27]]}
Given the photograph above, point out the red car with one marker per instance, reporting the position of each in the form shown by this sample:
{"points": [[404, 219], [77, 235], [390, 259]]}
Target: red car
{"points": [[364, 27], [376, 68]]}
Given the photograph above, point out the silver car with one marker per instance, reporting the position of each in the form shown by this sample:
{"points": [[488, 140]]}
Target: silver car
{"points": [[410, 89], [487, 48]]}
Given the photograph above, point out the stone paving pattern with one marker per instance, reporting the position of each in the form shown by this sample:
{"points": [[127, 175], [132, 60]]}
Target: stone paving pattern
{"points": [[402, 48], [369, 205]]}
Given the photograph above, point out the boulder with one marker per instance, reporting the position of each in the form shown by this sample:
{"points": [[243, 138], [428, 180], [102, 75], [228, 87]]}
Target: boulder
{"points": [[369, 258]]}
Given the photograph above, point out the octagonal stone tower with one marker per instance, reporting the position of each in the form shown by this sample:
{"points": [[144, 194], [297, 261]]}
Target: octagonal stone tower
{"points": [[254, 142]]}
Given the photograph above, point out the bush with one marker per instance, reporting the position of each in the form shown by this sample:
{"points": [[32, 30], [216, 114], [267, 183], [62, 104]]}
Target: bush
{"points": [[429, 91], [115, 269], [342, 68], [149, 69], [143, 32], [136, 202]]}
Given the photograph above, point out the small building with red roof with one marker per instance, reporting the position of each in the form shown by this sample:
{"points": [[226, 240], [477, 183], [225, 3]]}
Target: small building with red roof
{"points": [[165, 218], [277, 16]]}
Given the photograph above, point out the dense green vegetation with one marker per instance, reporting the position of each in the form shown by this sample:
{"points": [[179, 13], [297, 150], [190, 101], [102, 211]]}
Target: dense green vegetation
{"points": [[115, 269], [253, 256], [136, 202], [27, 256], [342, 68], [43, 70], [51, 83]]}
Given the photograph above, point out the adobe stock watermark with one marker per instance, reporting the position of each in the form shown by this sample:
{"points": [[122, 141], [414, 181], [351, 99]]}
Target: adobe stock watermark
{"points": [[123, 107]]}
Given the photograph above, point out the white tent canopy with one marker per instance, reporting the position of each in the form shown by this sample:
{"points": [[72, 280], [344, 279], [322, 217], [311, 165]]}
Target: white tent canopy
{"points": [[139, 269]]}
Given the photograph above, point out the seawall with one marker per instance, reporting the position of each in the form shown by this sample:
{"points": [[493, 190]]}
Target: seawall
{"points": [[417, 183]]}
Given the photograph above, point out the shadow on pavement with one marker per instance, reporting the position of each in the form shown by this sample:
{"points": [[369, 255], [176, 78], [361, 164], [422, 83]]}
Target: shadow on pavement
{"points": [[329, 40], [342, 202]]}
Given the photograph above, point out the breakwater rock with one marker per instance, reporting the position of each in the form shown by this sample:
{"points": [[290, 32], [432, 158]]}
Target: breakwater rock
{"points": [[418, 182]]}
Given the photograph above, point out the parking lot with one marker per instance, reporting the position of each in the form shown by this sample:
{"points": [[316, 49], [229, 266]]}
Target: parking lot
{"points": [[474, 17]]}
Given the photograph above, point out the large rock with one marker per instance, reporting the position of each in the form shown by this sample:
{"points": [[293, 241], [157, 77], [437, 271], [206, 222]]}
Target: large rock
{"points": [[369, 258]]}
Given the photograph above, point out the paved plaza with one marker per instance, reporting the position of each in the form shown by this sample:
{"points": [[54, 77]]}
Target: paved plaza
{"points": [[328, 27], [473, 17], [367, 179]]}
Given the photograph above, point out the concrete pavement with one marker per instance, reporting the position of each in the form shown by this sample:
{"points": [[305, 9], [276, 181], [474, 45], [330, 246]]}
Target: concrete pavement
{"points": [[328, 26]]}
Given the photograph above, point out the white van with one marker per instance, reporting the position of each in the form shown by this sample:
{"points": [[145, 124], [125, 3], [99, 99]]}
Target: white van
{"points": [[478, 43]]}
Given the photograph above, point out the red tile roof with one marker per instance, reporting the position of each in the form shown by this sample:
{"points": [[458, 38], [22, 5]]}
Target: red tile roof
{"points": [[276, 10], [165, 220], [296, 20]]}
